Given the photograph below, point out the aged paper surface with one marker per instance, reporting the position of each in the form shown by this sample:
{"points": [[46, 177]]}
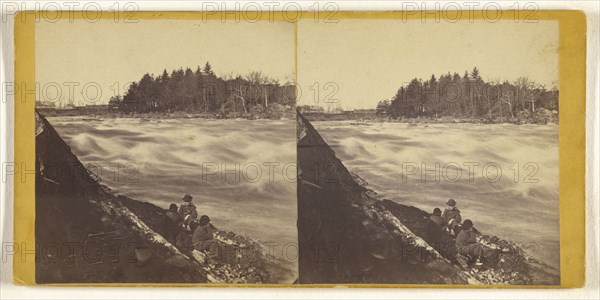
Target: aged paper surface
{"points": [[417, 114]]}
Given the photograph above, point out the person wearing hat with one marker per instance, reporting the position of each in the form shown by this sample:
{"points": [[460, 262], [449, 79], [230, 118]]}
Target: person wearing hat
{"points": [[451, 217], [466, 244], [435, 226], [187, 210], [172, 223], [204, 240], [436, 217], [172, 213]]}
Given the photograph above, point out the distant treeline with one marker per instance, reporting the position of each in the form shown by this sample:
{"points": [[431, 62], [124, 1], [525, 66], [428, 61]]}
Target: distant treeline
{"points": [[469, 96], [203, 91]]}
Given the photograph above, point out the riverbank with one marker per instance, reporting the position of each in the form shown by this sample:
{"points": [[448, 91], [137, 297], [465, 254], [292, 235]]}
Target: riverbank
{"points": [[273, 112], [540, 116]]}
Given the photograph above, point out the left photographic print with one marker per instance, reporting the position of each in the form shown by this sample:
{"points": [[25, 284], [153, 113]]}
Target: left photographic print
{"points": [[165, 151]]}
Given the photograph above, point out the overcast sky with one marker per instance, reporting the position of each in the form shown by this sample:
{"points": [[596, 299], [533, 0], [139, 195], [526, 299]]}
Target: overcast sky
{"points": [[368, 60], [107, 52]]}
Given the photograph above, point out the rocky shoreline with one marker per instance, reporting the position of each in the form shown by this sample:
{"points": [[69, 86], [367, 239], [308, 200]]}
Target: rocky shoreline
{"points": [[539, 117]]}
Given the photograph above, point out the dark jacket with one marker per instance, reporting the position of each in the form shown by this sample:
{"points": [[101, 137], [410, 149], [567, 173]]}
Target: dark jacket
{"points": [[173, 216], [187, 209], [171, 225], [203, 233], [437, 220], [465, 238], [451, 213], [435, 227]]}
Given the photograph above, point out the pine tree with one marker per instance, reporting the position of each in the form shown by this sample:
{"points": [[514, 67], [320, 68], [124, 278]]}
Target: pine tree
{"points": [[164, 77], [432, 81], [383, 108], [455, 77], [475, 74], [208, 69]]}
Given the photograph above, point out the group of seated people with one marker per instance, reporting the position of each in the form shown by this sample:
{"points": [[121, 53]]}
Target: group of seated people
{"points": [[189, 233], [450, 222]]}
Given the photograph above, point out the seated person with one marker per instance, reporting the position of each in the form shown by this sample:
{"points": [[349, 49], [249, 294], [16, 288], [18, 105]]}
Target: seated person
{"points": [[172, 222], [186, 228], [466, 244], [203, 240], [435, 226], [187, 208], [451, 216], [172, 213]]}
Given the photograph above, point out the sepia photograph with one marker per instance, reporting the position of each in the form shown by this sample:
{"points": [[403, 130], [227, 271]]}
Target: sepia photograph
{"points": [[299, 149], [428, 152], [317, 148], [165, 151]]}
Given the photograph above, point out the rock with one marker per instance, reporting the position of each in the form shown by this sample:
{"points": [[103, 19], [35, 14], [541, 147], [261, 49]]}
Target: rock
{"points": [[143, 256], [179, 261]]}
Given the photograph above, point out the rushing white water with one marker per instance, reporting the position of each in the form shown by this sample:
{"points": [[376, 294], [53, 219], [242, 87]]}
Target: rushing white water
{"points": [[241, 173], [504, 177]]}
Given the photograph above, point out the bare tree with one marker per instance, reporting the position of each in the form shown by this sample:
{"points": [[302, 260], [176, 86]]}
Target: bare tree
{"points": [[238, 93], [261, 82], [228, 76], [257, 77], [506, 98], [523, 86]]}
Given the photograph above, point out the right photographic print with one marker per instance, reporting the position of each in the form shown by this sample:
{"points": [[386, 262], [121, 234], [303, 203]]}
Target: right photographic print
{"points": [[428, 152]]}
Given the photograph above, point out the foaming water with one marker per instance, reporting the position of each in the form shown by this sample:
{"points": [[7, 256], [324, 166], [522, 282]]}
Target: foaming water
{"points": [[241, 173], [504, 177]]}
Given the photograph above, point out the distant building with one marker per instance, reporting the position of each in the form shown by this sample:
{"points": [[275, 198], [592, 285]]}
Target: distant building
{"points": [[97, 107], [311, 109], [365, 111], [45, 105]]}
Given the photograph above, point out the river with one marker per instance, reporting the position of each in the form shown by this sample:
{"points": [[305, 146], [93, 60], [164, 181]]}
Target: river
{"points": [[504, 176]]}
